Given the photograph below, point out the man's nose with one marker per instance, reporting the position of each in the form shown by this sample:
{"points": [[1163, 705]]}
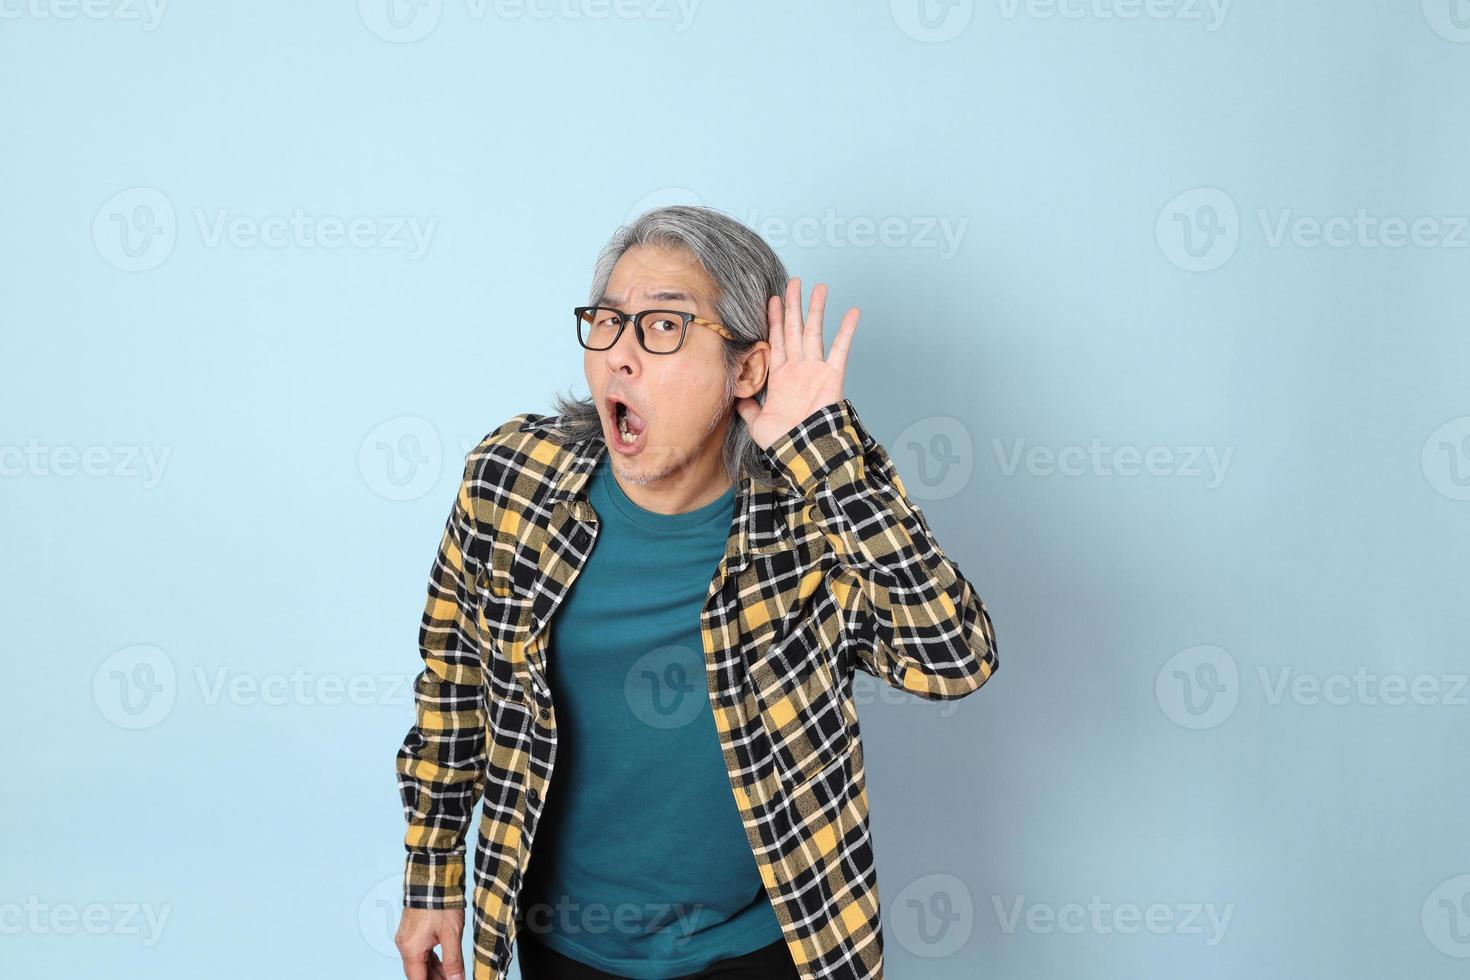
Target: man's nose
{"points": [[625, 354]]}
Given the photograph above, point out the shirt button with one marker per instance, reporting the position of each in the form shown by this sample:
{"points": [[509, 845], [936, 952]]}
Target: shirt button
{"points": [[534, 796]]}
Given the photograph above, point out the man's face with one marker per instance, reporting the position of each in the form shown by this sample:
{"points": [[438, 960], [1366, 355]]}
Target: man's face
{"points": [[678, 401]]}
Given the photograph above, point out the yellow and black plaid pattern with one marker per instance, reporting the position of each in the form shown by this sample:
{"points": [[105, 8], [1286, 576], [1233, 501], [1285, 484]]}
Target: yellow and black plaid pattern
{"points": [[834, 569]]}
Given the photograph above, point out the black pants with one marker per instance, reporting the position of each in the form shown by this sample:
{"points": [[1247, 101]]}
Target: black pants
{"points": [[540, 962]]}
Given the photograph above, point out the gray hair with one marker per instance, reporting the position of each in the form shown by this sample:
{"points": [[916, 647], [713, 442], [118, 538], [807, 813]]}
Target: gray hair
{"points": [[746, 272]]}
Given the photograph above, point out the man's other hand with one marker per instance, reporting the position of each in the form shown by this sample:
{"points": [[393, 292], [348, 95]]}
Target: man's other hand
{"points": [[419, 931]]}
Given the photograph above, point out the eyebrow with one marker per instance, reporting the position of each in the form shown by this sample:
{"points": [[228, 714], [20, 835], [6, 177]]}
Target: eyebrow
{"points": [[662, 295]]}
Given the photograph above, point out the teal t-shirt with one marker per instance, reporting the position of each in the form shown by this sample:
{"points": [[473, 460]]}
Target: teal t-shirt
{"points": [[640, 865]]}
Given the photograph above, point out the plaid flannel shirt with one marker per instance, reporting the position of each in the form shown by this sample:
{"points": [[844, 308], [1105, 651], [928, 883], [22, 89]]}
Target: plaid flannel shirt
{"points": [[832, 569]]}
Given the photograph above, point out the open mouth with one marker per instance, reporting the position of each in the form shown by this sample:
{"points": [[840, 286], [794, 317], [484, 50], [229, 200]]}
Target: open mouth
{"points": [[628, 424]]}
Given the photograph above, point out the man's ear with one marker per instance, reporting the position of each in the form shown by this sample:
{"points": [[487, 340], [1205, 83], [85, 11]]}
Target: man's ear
{"points": [[754, 366]]}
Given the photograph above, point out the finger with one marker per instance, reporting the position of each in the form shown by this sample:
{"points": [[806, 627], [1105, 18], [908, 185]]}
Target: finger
{"points": [[453, 957], [777, 331], [793, 319], [415, 966], [436, 971], [842, 343], [812, 335]]}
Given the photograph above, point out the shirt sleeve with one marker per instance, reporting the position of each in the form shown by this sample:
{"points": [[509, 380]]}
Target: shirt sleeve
{"points": [[441, 762], [913, 620]]}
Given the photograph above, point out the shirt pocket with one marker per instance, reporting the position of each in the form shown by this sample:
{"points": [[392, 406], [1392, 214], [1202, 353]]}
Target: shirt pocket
{"points": [[505, 635]]}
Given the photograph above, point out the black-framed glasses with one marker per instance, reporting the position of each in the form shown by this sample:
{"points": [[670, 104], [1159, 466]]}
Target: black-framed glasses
{"points": [[658, 331]]}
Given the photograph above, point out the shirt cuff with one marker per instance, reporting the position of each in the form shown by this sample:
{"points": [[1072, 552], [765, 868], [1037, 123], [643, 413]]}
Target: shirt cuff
{"points": [[819, 444], [433, 881]]}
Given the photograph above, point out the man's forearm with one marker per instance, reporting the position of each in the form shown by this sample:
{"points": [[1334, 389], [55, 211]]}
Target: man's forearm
{"points": [[924, 628]]}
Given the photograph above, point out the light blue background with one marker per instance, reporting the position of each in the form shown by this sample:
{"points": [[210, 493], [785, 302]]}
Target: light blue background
{"points": [[1068, 151]]}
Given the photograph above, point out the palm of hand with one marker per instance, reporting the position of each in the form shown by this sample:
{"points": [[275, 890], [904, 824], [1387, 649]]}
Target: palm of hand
{"points": [[800, 380]]}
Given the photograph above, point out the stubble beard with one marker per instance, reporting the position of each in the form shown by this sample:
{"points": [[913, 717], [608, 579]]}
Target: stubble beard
{"points": [[648, 475]]}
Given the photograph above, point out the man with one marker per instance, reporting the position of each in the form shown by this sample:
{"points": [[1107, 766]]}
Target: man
{"points": [[719, 543]]}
